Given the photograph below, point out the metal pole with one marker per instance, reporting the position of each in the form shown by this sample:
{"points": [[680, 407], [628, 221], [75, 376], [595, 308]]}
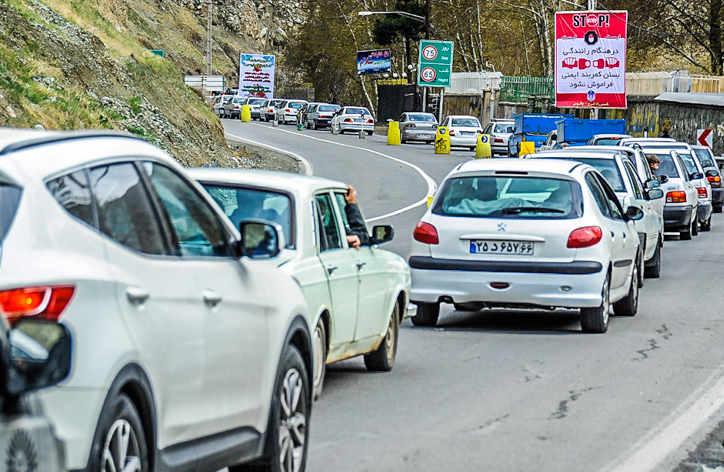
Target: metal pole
{"points": [[427, 19], [591, 5], [440, 103], [208, 40]]}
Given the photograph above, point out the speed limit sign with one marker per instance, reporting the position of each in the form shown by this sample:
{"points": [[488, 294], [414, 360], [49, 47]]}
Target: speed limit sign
{"points": [[428, 74], [429, 52]]}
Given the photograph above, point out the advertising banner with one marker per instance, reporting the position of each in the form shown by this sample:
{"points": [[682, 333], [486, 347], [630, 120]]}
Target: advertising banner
{"points": [[256, 76], [590, 68], [378, 61]]}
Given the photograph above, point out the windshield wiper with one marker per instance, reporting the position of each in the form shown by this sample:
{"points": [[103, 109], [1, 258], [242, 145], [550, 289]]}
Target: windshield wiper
{"points": [[516, 210]]}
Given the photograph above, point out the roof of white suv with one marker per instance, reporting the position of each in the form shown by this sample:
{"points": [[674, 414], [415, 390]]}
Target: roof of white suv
{"points": [[516, 165], [285, 181]]}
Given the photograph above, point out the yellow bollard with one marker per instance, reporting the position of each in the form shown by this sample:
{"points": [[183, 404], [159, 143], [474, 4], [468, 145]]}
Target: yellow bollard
{"points": [[526, 147], [442, 141], [430, 198], [393, 133], [245, 113], [482, 149]]}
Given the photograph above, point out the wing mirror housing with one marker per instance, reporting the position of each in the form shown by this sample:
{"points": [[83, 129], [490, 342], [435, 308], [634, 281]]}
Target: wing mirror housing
{"points": [[382, 234], [634, 213], [654, 193], [652, 183], [39, 356], [260, 239], [663, 178]]}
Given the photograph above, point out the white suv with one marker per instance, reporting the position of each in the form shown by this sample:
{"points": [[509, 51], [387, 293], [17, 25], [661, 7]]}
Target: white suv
{"points": [[184, 354]]}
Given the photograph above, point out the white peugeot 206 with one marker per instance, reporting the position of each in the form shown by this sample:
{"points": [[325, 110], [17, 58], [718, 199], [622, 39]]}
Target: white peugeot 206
{"points": [[526, 233], [186, 355]]}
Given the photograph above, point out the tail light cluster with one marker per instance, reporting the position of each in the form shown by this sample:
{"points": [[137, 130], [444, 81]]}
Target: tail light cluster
{"points": [[370, 120], [584, 237], [452, 132], [497, 140], [701, 191], [348, 120], [45, 303], [714, 180], [677, 196], [425, 233]]}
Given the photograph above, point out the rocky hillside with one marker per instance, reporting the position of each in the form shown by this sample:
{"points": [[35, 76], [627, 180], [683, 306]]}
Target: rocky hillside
{"points": [[69, 65]]}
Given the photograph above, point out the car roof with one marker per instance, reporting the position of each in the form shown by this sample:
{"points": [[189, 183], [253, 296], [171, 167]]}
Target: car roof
{"points": [[549, 166], [285, 181], [592, 149], [611, 135], [462, 116]]}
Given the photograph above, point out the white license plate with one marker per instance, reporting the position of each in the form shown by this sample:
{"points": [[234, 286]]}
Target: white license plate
{"points": [[424, 136], [467, 133], [520, 248]]}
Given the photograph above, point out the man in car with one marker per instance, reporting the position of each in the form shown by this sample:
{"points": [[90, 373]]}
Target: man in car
{"points": [[356, 229]]}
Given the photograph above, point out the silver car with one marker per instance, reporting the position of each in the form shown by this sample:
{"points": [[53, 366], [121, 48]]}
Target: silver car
{"points": [[255, 104], [417, 127], [500, 132], [320, 116]]}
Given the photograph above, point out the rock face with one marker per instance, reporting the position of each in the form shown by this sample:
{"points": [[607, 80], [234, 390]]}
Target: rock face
{"points": [[72, 65]]}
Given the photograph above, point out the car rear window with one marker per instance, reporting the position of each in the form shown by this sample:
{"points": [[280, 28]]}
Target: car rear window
{"points": [[356, 111], [294, 104], [427, 118], [256, 101], [9, 201], [666, 165], [606, 141], [327, 108], [472, 122], [704, 158], [504, 128], [510, 197]]}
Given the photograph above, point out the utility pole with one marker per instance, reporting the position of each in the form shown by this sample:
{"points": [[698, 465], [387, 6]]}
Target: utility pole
{"points": [[427, 19], [208, 39], [591, 5]]}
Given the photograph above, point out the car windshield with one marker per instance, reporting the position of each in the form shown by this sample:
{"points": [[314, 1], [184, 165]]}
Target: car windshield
{"points": [[666, 165], [510, 197], [327, 108], [426, 118], [504, 128], [241, 204], [689, 162], [607, 168], [704, 158], [469, 122], [356, 111]]}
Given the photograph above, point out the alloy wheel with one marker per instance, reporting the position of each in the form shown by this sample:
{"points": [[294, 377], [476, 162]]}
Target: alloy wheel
{"points": [[293, 422], [120, 451], [390, 338]]}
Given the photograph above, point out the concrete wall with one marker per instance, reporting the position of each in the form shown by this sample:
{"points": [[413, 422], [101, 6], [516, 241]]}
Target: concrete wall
{"points": [[468, 104]]}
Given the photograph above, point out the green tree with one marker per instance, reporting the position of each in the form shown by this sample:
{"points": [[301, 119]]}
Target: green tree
{"points": [[389, 29]]}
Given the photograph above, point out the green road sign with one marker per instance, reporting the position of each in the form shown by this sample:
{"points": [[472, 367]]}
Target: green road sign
{"points": [[435, 64]]}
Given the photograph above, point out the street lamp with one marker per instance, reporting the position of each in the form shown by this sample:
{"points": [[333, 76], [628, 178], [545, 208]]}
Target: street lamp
{"points": [[424, 19]]}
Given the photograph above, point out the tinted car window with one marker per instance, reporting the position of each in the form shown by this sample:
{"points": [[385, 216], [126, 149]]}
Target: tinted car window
{"points": [[426, 118], [704, 158], [471, 122], [241, 204], [125, 213], [666, 166], [327, 108], [329, 231], [294, 104], [197, 229], [9, 200], [607, 168], [72, 191], [356, 111], [515, 197], [598, 194]]}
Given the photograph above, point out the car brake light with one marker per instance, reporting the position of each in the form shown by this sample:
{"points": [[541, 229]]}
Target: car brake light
{"points": [[676, 196], [47, 303], [452, 132], [496, 140], [701, 191], [425, 233], [287, 110], [348, 120], [584, 237], [411, 125], [370, 121], [714, 180]]}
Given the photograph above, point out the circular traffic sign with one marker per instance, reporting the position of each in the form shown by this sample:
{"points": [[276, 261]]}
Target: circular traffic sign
{"points": [[429, 52], [592, 21], [483, 139], [428, 74]]}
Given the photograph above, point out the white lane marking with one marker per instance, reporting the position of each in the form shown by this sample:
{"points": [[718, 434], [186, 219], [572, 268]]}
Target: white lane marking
{"points": [[670, 434], [308, 170], [431, 185]]}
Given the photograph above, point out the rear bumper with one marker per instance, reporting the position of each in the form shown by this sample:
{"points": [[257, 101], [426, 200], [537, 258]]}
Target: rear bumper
{"points": [[419, 135], [357, 126], [677, 218], [704, 210], [464, 140], [565, 285], [717, 196]]}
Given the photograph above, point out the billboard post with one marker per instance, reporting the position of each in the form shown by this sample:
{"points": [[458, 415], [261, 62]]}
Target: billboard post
{"points": [[590, 59]]}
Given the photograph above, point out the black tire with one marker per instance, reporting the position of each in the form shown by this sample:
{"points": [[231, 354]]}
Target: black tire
{"points": [[315, 125], [383, 359], [686, 235], [319, 340], [654, 271], [119, 416], [427, 314], [706, 226], [640, 269], [718, 209], [370, 133], [402, 140], [629, 305], [291, 379], [595, 320]]}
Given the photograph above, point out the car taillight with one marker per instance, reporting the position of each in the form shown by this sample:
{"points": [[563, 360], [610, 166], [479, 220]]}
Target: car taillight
{"points": [[425, 233], [452, 132], [46, 303], [411, 125], [497, 140], [348, 120], [584, 237], [701, 191], [287, 110], [370, 121], [676, 196], [714, 180]]}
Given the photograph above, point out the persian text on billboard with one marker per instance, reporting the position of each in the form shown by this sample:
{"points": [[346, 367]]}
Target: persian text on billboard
{"points": [[256, 75], [374, 62], [591, 59]]}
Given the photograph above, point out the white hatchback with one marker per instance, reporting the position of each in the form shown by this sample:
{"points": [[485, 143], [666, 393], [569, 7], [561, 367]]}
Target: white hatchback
{"points": [[526, 233], [184, 353]]}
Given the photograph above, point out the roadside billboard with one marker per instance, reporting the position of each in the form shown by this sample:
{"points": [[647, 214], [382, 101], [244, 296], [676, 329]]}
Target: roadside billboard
{"points": [[378, 61], [256, 75], [590, 62]]}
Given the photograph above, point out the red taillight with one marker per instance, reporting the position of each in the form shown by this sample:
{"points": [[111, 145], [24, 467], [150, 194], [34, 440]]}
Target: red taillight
{"points": [[411, 125], [348, 120], [676, 196], [425, 233], [44, 302], [584, 237], [496, 140], [452, 132], [714, 180], [370, 120], [287, 110], [701, 191]]}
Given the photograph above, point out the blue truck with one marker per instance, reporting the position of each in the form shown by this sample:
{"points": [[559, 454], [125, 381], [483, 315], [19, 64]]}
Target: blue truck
{"points": [[577, 131], [532, 127]]}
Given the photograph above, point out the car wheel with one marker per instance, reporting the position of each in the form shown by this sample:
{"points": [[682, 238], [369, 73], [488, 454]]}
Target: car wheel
{"points": [[695, 226], [370, 133], [120, 441], [287, 434], [315, 125], [640, 269], [686, 235], [654, 271], [320, 357], [427, 314], [718, 209], [595, 320], [402, 139], [707, 225], [383, 359], [629, 305], [333, 129]]}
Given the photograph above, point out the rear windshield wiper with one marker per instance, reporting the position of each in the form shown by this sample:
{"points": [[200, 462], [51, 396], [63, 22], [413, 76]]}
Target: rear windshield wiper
{"points": [[516, 210]]}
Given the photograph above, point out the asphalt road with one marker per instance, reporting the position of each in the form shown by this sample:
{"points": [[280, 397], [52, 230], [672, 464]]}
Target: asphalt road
{"points": [[506, 390]]}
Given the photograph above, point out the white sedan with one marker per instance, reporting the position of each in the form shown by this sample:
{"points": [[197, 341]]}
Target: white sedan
{"points": [[463, 130], [526, 233], [353, 119], [357, 297]]}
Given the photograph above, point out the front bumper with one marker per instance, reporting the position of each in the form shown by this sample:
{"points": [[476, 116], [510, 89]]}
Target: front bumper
{"points": [[564, 285], [677, 218]]}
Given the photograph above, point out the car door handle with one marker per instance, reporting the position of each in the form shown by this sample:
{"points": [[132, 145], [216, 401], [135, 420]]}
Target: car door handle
{"points": [[331, 269], [137, 295], [360, 265], [613, 236], [211, 298]]}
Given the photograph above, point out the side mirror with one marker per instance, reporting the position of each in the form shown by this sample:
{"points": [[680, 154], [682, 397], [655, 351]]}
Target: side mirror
{"points": [[696, 175], [382, 234], [654, 193], [260, 239], [652, 183], [663, 178], [634, 213], [40, 353]]}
